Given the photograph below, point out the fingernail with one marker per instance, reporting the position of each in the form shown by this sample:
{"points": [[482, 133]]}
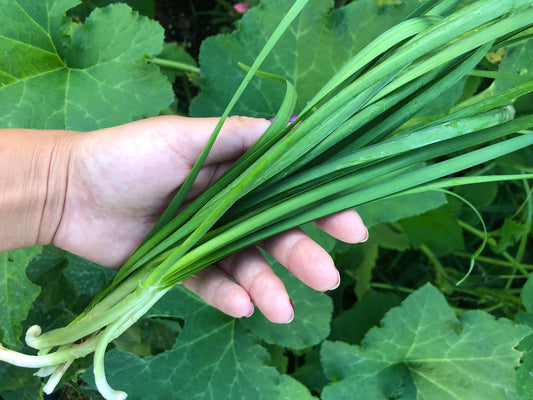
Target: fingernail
{"points": [[292, 316], [366, 236], [291, 119], [251, 311], [338, 282]]}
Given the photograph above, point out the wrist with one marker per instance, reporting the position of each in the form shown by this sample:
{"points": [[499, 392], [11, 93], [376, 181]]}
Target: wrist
{"points": [[33, 182]]}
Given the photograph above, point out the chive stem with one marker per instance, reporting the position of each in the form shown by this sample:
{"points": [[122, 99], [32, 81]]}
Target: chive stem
{"points": [[179, 66]]}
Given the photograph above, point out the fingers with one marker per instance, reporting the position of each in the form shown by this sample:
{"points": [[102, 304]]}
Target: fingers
{"points": [[251, 271], [216, 288], [254, 281], [245, 278], [309, 262], [346, 226]]}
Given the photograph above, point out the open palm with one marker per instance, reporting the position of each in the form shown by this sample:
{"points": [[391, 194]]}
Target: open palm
{"points": [[120, 180]]}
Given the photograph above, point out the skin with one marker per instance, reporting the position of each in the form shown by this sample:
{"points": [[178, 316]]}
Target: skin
{"points": [[97, 194]]}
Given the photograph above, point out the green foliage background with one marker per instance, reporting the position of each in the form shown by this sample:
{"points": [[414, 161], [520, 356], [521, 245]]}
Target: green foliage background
{"points": [[398, 326]]}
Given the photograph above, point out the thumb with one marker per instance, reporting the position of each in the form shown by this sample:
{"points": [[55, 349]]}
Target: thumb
{"points": [[238, 134]]}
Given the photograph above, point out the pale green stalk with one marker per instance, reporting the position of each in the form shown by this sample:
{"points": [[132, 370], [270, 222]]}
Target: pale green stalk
{"points": [[56, 376], [53, 359], [85, 327], [146, 300], [398, 144], [252, 225]]}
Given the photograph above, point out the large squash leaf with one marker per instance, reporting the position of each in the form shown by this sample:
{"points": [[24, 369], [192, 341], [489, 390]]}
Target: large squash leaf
{"points": [[312, 315], [524, 374], [518, 61], [19, 383], [423, 351], [17, 293], [59, 75], [316, 45], [213, 354], [218, 354]]}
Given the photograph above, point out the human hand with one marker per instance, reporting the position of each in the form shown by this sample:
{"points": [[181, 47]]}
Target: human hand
{"points": [[120, 180]]}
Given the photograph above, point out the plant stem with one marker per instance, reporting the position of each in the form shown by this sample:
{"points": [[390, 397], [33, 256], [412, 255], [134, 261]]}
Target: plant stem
{"points": [[387, 286], [148, 299], [492, 260], [526, 229], [441, 277], [88, 326], [492, 308], [52, 359], [501, 75], [492, 242], [179, 66]]}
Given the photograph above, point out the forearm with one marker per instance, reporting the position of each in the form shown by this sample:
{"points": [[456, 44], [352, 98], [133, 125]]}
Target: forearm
{"points": [[33, 181]]}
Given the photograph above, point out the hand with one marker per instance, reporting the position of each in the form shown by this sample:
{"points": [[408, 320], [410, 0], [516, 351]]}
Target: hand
{"points": [[120, 180]]}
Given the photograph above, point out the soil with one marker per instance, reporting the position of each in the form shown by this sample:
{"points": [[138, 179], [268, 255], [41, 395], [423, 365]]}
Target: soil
{"points": [[189, 22]]}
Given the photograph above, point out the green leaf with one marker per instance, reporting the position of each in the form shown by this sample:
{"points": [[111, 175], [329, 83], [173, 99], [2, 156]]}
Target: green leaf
{"points": [[396, 208], [358, 261], [86, 277], [310, 373], [445, 101], [169, 306], [524, 373], [292, 389], [304, 55], [312, 315], [389, 238], [352, 325], [518, 60], [17, 293], [46, 270], [430, 227], [423, 351], [149, 337], [527, 295], [524, 378], [67, 284], [213, 354], [480, 195], [144, 7], [509, 234], [19, 383], [279, 357], [174, 52], [32, 34], [96, 78]]}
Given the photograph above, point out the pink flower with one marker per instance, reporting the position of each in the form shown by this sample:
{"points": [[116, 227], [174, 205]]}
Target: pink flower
{"points": [[241, 7]]}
